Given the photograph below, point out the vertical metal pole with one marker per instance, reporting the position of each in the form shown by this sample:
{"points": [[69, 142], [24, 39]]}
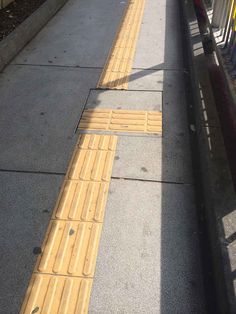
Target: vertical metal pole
{"points": [[228, 30], [217, 12]]}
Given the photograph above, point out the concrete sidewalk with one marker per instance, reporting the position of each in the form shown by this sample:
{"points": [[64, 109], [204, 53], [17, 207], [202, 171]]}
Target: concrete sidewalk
{"points": [[149, 259]]}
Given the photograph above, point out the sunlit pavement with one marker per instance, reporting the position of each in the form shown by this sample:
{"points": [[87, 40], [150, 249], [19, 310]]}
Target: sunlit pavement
{"points": [[148, 258]]}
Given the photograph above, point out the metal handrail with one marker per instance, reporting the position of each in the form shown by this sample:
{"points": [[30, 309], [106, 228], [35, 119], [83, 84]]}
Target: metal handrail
{"points": [[224, 22]]}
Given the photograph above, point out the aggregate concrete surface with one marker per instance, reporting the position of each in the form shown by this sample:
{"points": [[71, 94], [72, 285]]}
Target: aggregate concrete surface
{"points": [[149, 259]]}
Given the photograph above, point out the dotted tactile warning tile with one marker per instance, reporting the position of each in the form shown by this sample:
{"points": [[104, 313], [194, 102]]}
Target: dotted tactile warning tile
{"points": [[116, 72], [57, 294], [62, 278], [93, 159], [122, 120], [83, 201]]}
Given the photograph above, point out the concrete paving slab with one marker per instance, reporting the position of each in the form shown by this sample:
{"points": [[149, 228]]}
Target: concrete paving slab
{"points": [[174, 103], [147, 158], [81, 34], [26, 207], [171, 83], [148, 80], [159, 44], [146, 261], [131, 100], [40, 108], [149, 256]]}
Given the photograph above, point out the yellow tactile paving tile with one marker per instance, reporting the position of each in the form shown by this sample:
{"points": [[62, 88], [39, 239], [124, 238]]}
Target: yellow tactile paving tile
{"points": [[116, 72], [62, 278], [122, 120], [93, 159], [70, 248], [97, 142], [82, 200], [48, 294]]}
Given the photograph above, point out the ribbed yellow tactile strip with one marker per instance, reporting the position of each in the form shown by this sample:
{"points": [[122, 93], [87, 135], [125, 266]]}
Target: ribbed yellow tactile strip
{"points": [[93, 159], [49, 294], [122, 120], [82, 200], [62, 278], [116, 72]]}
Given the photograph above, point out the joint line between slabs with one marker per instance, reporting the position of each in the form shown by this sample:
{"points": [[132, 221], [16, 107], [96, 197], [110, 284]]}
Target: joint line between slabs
{"points": [[150, 180], [84, 106], [56, 66], [33, 172], [122, 134], [60, 275], [160, 69], [128, 90]]}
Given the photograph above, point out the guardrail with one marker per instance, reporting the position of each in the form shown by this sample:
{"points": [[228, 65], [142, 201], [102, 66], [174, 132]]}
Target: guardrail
{"points": [[223, 20], [221, 24]]}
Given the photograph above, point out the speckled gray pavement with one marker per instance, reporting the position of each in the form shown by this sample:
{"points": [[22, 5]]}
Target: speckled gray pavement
{"points": [[149, 257]]}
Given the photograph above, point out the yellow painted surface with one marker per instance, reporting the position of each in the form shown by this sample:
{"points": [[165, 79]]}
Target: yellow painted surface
{"points": [[116, 72], [62, 278], [122, 120]]}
